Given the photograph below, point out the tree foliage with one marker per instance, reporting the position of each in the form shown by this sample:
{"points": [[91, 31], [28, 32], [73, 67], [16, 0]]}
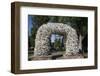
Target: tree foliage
{"points": [[79, 23]]}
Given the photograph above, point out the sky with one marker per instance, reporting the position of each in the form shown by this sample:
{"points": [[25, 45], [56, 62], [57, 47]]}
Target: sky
{"points": [[55, 36], [29, 24]]}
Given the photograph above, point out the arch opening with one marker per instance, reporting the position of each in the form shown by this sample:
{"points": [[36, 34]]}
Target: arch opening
{"points": [[57, 43]]}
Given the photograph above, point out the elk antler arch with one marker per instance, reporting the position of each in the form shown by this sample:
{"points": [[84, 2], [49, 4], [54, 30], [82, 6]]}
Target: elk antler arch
{"points": [[42, 45]]}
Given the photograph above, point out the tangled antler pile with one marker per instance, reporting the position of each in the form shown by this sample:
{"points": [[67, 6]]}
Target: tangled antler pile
{"points": [[42, 44]]}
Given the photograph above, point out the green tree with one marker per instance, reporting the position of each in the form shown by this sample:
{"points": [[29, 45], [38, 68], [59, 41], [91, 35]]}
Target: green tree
{"points": [[79, 23]]}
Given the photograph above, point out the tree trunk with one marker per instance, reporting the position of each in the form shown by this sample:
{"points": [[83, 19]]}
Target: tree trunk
{"points": [[80, 42]]}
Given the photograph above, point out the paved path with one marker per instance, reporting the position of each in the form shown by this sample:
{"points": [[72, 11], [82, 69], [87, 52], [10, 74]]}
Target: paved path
{"points": [[56, 56]]}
